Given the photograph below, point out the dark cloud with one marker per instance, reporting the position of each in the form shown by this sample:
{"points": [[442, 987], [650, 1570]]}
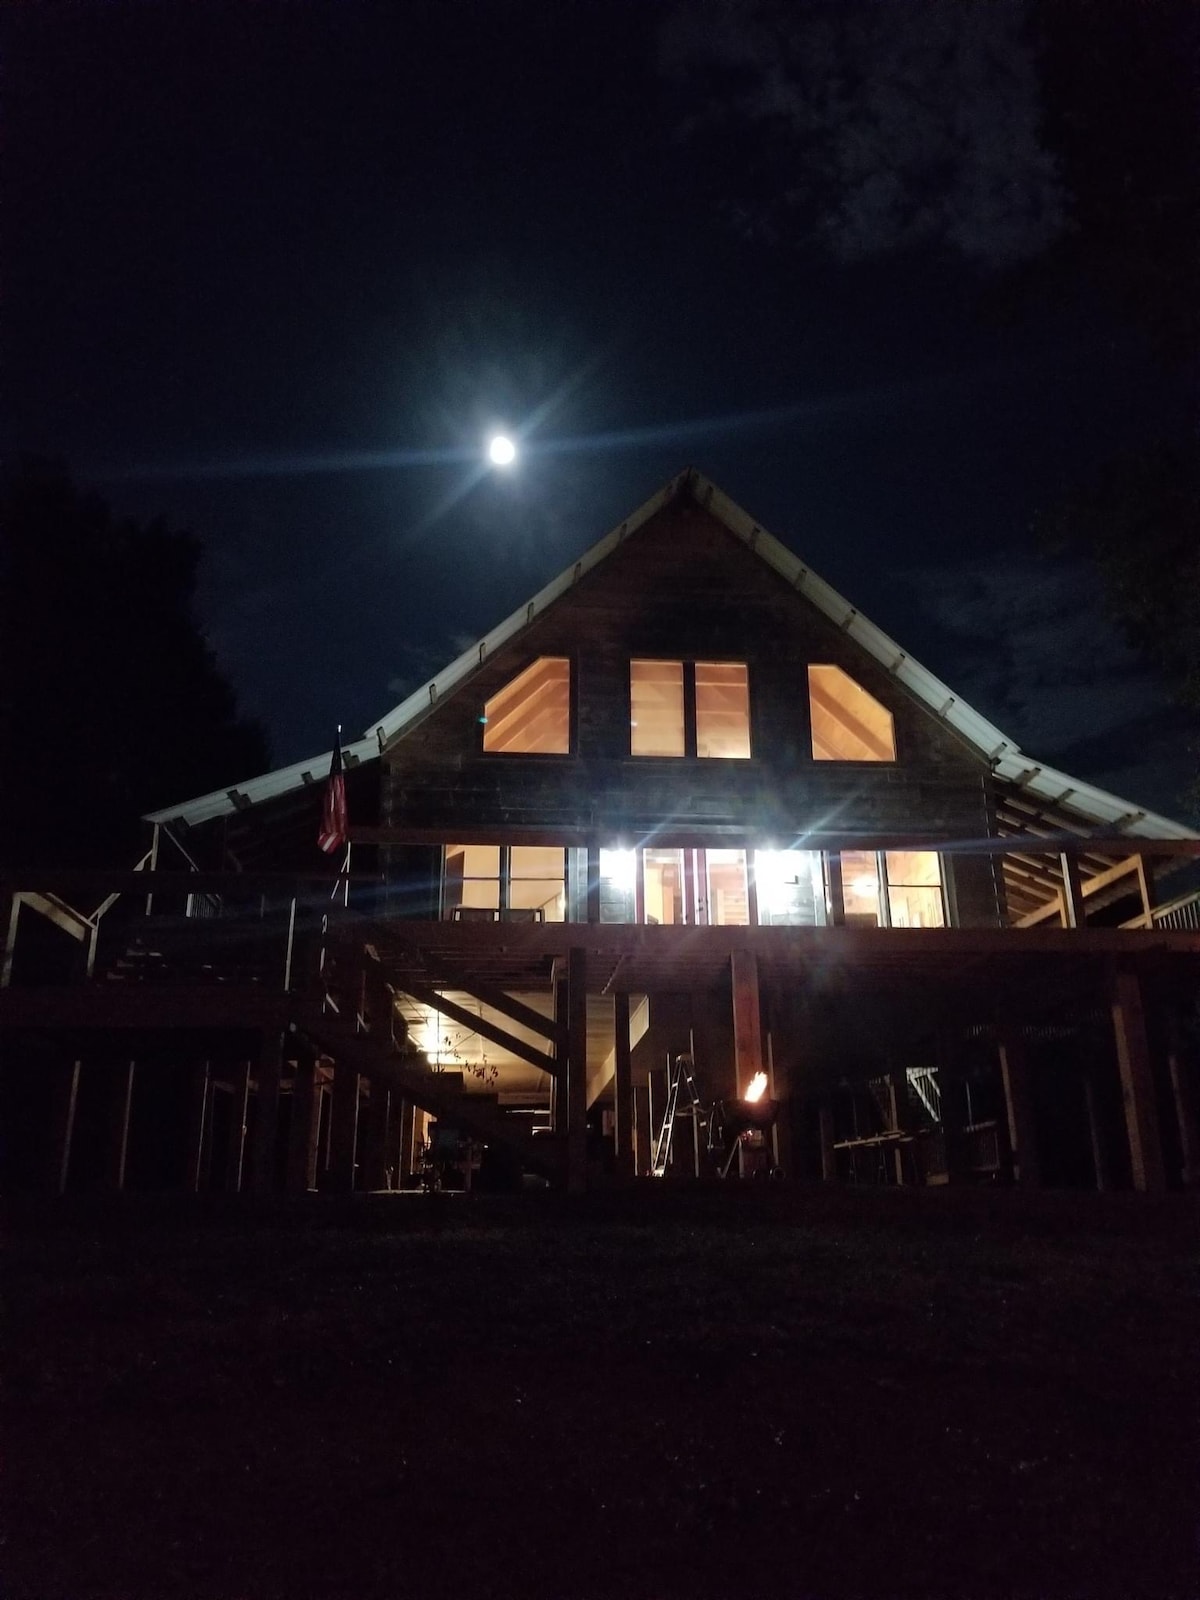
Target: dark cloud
{"points": [[880, 127], [1028, 642]]}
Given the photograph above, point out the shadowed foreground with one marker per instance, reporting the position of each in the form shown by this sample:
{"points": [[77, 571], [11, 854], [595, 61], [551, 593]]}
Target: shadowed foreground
{"points": [[744, 1392]]}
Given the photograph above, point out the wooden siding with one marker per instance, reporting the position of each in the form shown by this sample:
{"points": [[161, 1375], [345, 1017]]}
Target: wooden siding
{"points": [[682, 587]]}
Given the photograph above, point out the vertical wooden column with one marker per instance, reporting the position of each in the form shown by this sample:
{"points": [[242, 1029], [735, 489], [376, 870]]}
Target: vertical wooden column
{"points": [[407, 1164], [305, 1127], [558, 1086], [266, 1112], [375, 1137], [1137, 1083], [118, 1128], [238, 1111], [1096, 1133], [641, 1129], [343, 1129], [1183, 1093], [897, 1088], [199, 1093], [747, 1019], [950, 1096], [825, 1129], [837, 892], [1073, 915], [577, 1070], [779, 1087], [623, 1087], [1018, 1098], [66, 1095]]}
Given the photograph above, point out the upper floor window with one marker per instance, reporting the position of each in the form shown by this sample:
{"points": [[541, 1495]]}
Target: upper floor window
{"points": [[848, 724], [722, 709], [893, 888], [484, 882], [661, 695], [656, 708], [531, 715]]}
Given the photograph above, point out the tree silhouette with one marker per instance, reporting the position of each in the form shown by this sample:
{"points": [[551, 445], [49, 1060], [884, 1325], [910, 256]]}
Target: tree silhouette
{"points": [[111, 702]]}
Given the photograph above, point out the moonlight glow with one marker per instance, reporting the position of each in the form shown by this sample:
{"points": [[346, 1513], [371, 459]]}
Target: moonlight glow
{"points": [[502, 452]]}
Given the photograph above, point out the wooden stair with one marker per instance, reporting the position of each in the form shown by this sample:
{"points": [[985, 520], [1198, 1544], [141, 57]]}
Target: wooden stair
{"points": [[439, 1094]]}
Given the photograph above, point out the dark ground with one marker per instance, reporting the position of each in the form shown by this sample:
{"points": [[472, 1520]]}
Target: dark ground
{"points": [[749, 1392]]}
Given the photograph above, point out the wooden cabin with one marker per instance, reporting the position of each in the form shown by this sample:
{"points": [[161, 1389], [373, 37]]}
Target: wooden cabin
{"points": [[685, 827]]}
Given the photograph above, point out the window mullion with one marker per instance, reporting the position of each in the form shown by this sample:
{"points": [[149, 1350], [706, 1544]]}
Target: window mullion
{"points": [[689, 708]]}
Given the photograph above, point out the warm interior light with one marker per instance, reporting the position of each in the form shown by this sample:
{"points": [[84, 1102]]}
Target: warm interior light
{"points": [[758, 1087], [619, 868]]}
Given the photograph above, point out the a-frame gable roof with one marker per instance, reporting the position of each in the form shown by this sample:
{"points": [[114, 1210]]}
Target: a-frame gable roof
{"points": [[1069, 802]]}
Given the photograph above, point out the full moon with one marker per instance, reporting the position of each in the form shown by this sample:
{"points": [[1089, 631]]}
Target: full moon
{"points": [[502, 452]]}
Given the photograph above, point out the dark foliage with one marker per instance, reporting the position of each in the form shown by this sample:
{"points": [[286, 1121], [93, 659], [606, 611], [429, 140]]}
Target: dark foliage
{"points": [[112, 700]]}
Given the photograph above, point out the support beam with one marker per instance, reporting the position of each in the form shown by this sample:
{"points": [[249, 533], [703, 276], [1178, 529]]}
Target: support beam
{"points": [[577, 1070], [304, 1129], [266, 1112], [375, 1134], [623, 1087], [1073, 914], [198, 1116], [641, 1129], [747, 1018], [897, 1089], [1096, 1133], [1018, 1099], [1187, 1114], [1137, 1083], [66, 1097], [408, 1160], [343, 1131], [558, 1083], [481, 1025], [825, 1132], [239, 1105], [118, 1141]]}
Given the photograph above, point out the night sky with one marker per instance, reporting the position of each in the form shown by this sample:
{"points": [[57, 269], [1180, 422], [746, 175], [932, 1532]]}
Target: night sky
{"points": [[274, 271]]}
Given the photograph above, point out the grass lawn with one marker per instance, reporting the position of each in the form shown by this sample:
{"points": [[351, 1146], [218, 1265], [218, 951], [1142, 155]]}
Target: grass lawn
{"points": [[748, 1391]]}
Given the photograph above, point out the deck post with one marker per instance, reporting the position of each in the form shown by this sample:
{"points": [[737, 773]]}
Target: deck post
{"points": [[1073, 913], [199, 1094], [747, 1018], [343, 1128], [238, 1110], [66, 1097], [558, 1084], [577, 1070], [949, 1084], [118, 1146], [1183, 1093], [266, 1112], [825, 1131], [641, 1129], [1096, 1133], [623, 1086], [375, 1137], [1137, 1082], [1018, 1100], [407, 1164], [304, 1129], [897, 1088]]}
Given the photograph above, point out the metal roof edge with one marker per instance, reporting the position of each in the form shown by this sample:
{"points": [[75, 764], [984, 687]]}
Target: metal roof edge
{"points": [[223, 802]]}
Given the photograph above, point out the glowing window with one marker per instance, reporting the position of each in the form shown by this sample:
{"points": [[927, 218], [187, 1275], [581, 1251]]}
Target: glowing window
{"points": [[663, 886], [531, 715], [915, 889], [722, 709], [471, 878], [848, 724], [860, 888], [656, 708], [728, 900], [791, 888], [536, 880]]}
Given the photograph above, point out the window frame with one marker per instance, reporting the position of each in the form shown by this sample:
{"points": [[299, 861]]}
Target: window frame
{"points": [[572, 713], [691, 747]]}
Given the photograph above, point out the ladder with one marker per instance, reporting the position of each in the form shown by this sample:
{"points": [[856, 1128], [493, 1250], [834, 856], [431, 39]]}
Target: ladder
{"points": [[679, 1075]]}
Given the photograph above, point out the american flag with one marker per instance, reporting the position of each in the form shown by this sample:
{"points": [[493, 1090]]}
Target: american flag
{"points": [[334, 821]]}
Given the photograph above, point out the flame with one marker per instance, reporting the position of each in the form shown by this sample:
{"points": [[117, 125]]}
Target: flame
{"points": [[758, 1087]]}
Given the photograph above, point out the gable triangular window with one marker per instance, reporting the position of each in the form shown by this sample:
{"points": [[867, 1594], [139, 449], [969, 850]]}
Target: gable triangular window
{"points": [[531, 715], [848, 724]]}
